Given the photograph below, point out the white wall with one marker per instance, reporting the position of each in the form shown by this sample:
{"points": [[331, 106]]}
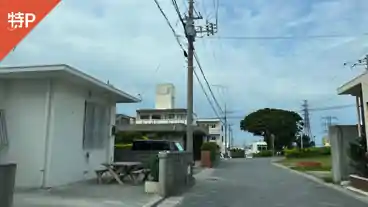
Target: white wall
{"points": [[165, 96], [69, 162], [61, 158], [24, 104]]}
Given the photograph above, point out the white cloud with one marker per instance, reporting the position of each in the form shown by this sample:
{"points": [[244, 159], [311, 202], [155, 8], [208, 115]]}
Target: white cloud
{"points": [[125, 42]]}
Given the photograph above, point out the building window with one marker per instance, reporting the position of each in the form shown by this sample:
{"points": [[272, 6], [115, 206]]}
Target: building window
{"points": [[222, 138], [213, 138], [156, 116], [3, 130], [222, 128], [144, 117], [96, 126], [213, 125], [171, 116]]}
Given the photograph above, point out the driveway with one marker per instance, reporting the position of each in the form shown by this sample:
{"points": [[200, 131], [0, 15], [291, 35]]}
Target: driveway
{"points": [[256, 182]]}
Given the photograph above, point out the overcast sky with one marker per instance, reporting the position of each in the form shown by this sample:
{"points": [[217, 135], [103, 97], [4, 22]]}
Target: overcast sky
{"points": [[129, 43]]}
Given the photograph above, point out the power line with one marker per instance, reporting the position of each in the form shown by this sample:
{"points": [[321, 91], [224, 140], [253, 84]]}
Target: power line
{"points": [[182, 48], [310, 109], [327, 121], [327, 36], [332, 107], [208, 85], [197, 60]]}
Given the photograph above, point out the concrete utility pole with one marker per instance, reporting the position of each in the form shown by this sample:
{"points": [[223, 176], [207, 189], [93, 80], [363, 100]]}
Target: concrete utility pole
{"points": [[190, 33], [231, 138]]}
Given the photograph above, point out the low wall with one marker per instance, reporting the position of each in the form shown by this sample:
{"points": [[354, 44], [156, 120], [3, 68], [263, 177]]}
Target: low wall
{"points": [[175, 172], [126, 155]]}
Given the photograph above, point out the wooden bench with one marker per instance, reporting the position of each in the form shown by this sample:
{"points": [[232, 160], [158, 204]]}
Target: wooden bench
{"points": [[99, 174], [145, 173]]}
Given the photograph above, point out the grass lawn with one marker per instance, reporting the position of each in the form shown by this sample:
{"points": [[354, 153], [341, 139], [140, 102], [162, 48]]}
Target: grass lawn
{"points": [[325, 160]]}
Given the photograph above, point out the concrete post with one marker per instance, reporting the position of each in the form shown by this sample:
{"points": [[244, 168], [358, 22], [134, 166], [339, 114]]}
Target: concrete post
{"points": [[340, 138], [162, 178], [7, 181]]}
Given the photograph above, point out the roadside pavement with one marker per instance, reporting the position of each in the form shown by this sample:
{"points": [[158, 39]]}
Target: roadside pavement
{"points": [[256, 182], [86, 194]]}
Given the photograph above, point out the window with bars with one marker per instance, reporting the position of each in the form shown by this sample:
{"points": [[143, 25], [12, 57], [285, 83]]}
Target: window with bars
{"points": [[96, 126], [3, 130]]}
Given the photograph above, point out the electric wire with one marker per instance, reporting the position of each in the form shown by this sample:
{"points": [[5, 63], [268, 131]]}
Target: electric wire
{"points": [[182, 48]]}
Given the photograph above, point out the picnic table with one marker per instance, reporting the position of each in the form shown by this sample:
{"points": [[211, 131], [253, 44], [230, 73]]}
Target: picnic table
{"points": [[119, 170]]}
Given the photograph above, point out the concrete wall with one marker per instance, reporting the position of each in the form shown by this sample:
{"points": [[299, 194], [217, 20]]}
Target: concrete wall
{"points": [[24, 102], [175, 172], [340, 137], [66, 144], [45, 131]]}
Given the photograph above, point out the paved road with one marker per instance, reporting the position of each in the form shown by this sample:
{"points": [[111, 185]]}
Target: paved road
{"points": [[255, 182]]}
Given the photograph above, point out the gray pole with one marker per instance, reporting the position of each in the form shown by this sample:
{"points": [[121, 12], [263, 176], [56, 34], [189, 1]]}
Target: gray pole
{"points": [[190, 34], [225, 119]]}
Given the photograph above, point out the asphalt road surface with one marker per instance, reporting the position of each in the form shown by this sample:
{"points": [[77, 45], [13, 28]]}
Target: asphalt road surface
{"points": [[257, 183]]}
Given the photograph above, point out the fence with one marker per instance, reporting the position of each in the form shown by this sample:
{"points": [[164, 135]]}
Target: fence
{"points": [[175, 172], [121, 155]]}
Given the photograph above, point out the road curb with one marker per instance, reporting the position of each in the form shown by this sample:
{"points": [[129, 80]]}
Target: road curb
{"points": [[154, 202], [157, 200], [328, 185]]}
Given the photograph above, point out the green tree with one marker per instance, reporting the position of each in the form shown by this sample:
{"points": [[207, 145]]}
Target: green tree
{"points": [[285, 125]]}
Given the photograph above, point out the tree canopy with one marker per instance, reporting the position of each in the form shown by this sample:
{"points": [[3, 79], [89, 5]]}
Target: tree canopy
{"points": [[285, 125]]}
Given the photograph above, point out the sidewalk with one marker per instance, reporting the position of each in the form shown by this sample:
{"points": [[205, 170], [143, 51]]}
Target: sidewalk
{"points": [[85, 194]]}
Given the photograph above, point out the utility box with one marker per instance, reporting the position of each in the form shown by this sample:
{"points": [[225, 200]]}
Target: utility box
{"points": [[7, 182]]}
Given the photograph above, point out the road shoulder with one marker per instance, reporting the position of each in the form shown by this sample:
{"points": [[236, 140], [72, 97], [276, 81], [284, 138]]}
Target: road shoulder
{"points": [[328, 185]]}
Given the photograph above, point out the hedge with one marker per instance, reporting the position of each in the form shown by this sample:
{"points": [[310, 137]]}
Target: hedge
{"points": [[263, 153], [307, 152], [213, 148]]}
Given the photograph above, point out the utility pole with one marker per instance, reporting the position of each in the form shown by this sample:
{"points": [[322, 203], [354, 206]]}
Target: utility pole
{"points": [[190, 33], [231, 136], [327, 122]]}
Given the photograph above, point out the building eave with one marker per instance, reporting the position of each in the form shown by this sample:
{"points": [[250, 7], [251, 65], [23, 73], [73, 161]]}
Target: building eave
{"points": [[61, 69]]}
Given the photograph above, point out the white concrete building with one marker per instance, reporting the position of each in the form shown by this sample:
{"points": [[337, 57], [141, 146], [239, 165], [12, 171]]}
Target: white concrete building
{"points": [[124, 119], [216, 131], [358, 88], [56, 123], [165, 96], [163, 116]]}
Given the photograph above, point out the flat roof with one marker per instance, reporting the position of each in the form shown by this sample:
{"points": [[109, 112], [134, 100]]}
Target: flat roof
{"points": [[354, 85], [124, 116], [175, 110], [66, 72]]}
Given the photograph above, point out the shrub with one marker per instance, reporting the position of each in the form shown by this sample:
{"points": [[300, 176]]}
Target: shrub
{"points": [[154, 167], [307, 152], [358, 156], [264, 153], [212, 147]]}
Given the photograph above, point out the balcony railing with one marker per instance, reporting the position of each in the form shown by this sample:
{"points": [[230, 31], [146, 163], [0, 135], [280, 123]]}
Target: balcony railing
{"points": [[214, 130], [162, 121]]}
